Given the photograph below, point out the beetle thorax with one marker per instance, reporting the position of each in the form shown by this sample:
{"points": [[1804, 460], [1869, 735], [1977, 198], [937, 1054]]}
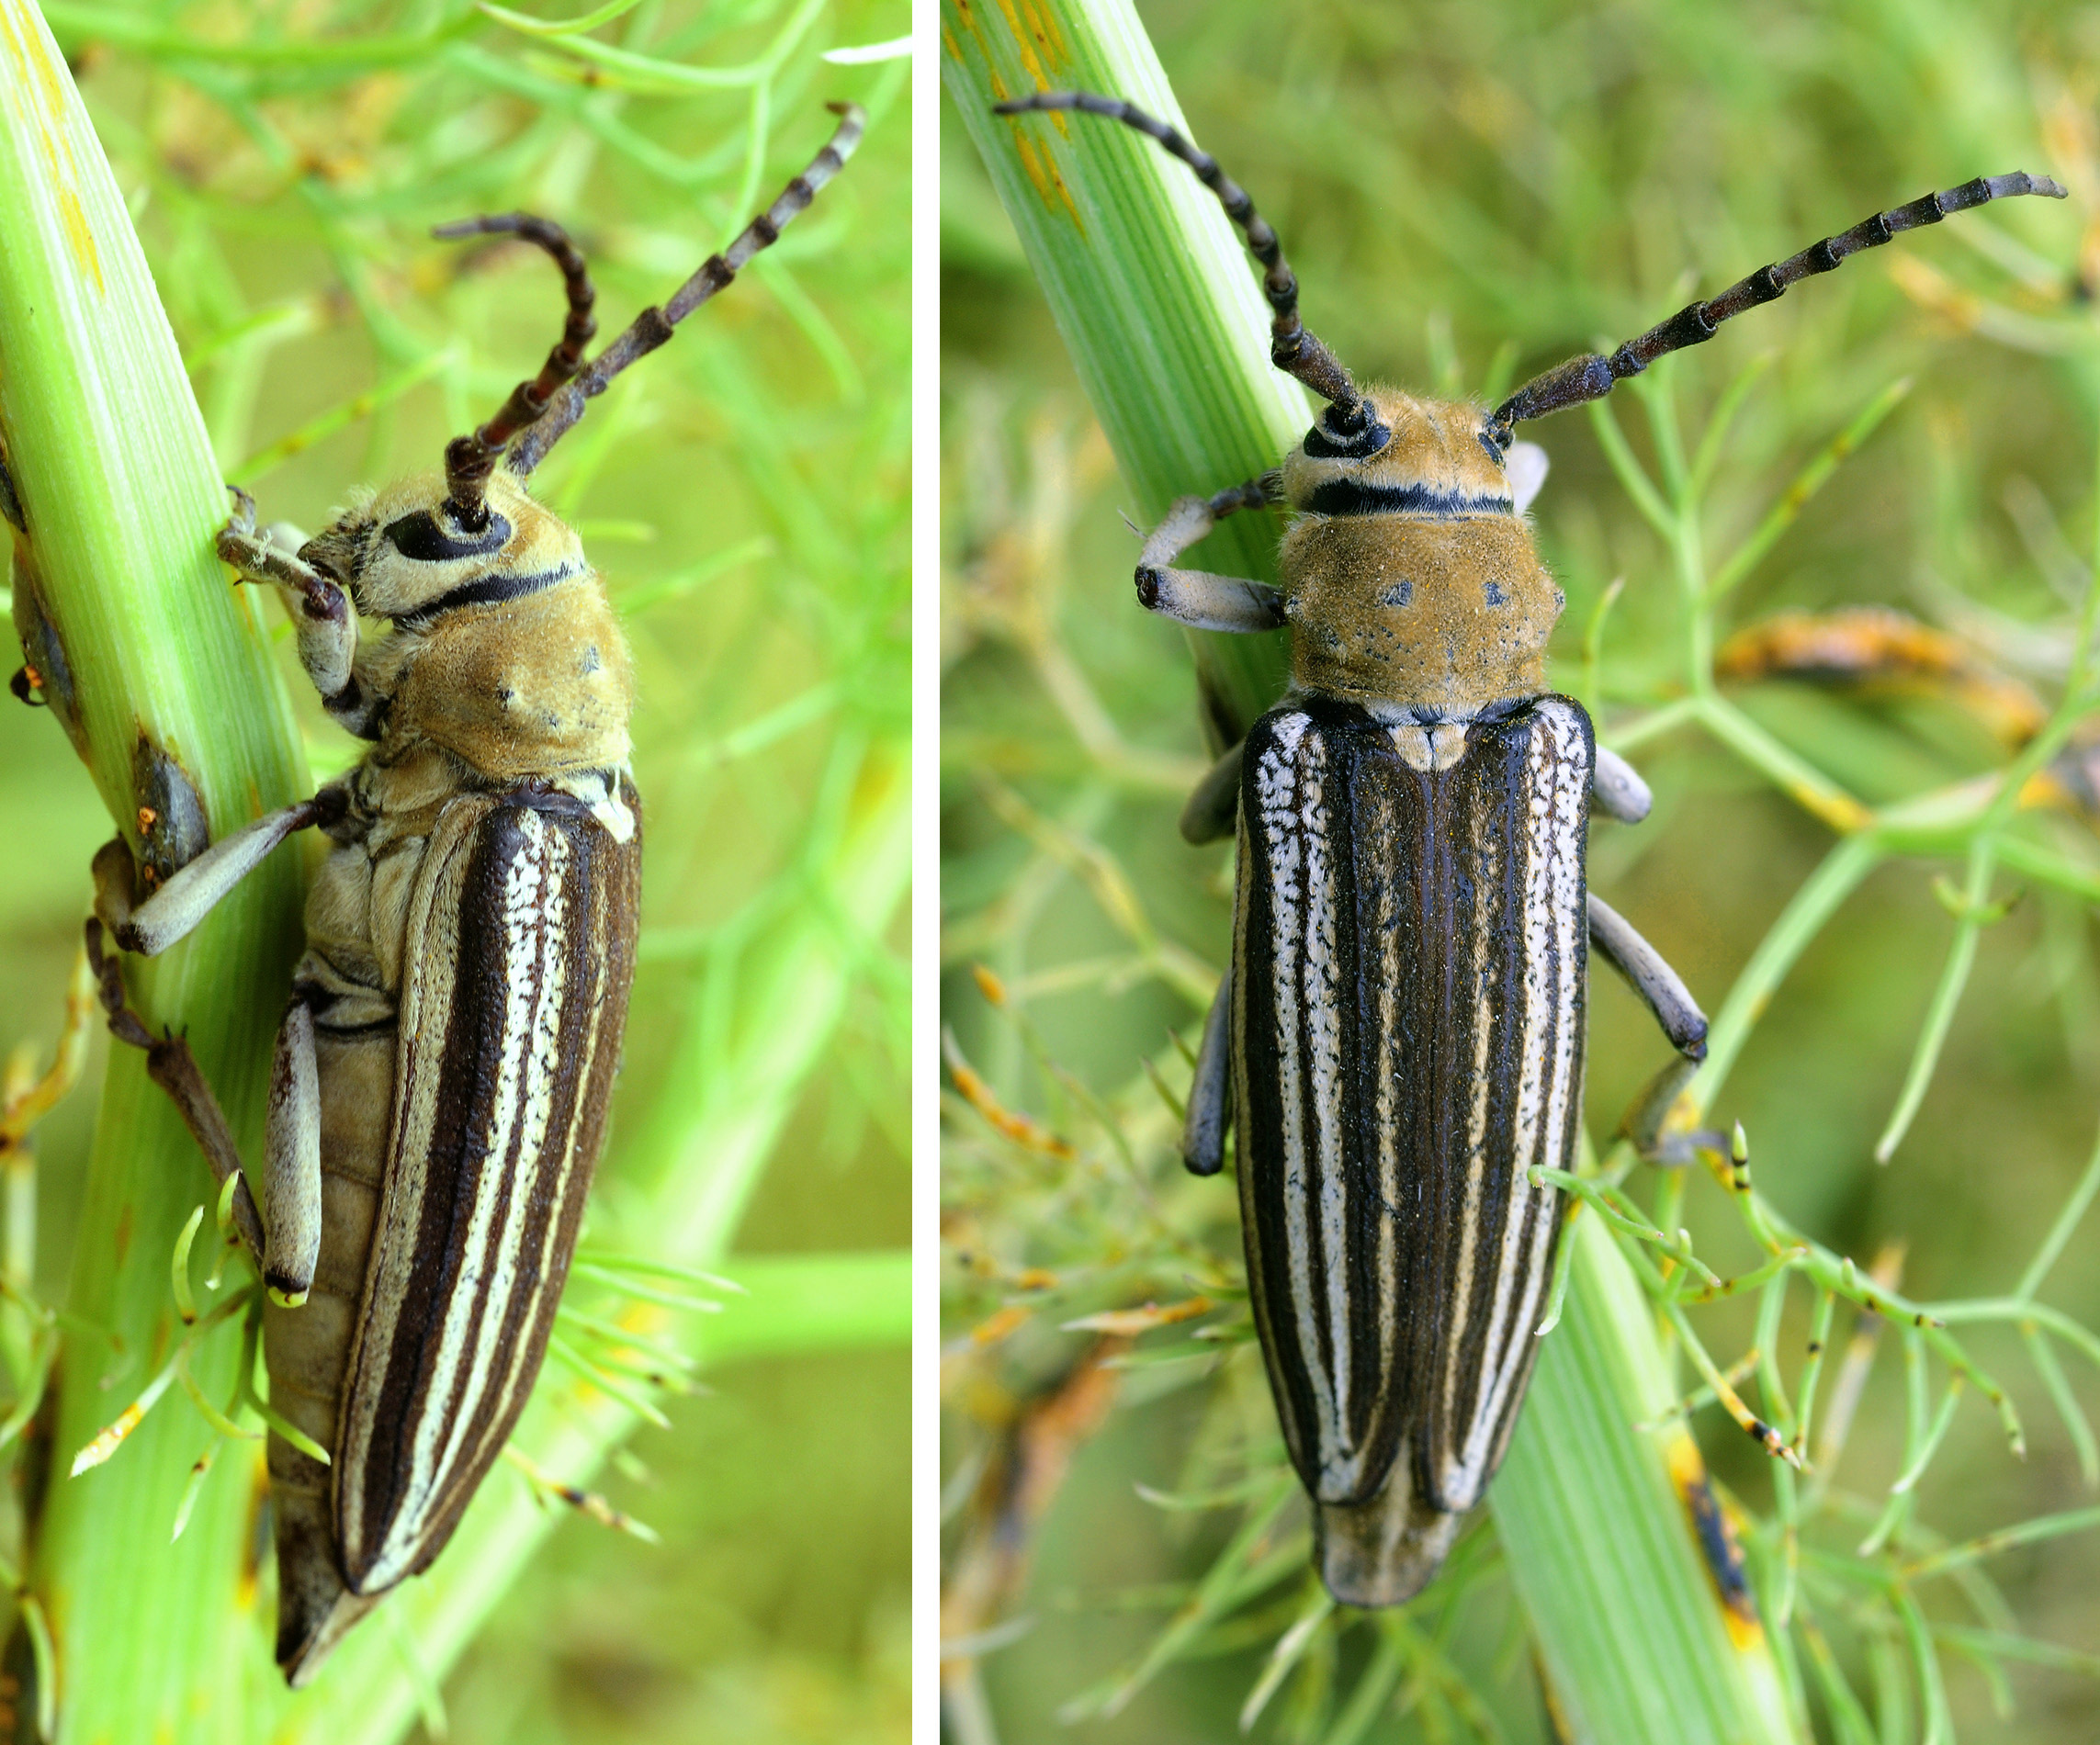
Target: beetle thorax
{"points": [[1410, 579]]}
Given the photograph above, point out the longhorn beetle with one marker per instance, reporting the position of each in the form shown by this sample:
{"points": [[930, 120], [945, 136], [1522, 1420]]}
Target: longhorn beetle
{"points": [[1399, 1034], [439, 1087]]}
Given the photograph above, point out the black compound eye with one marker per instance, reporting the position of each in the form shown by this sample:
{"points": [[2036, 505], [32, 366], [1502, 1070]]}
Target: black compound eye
{"points": [[1324, 442], [427, 539]]}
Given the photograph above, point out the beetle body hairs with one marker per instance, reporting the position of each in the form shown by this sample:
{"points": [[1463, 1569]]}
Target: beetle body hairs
{"points": [[1398, 1037], [442, 1075]]}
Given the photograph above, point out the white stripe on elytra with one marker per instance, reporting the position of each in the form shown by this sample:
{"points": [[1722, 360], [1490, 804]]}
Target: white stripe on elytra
{"points": [[428, 990], [529, 906], [491, 1354], [1553, 908], [1479, 997], [1340, 1468], [568, 1180], [1276, 795], [1387, 1034]]}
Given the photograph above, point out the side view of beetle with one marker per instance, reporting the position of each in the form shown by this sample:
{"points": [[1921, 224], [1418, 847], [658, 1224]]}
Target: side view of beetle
{"points": [[1399, 1035], [442, 1073]]}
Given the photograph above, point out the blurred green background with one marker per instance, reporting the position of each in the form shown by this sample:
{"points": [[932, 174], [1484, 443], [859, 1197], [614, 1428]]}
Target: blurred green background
{"points": [[1452, 181], [746, 493]]}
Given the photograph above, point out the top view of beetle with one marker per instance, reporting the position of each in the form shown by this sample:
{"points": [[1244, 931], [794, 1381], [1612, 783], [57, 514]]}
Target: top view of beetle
{"points": [[442, 1073], [1398, 1039]]}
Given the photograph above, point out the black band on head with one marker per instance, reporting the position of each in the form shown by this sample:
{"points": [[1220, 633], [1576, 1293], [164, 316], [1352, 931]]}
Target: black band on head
{"points": [[419, 536]]}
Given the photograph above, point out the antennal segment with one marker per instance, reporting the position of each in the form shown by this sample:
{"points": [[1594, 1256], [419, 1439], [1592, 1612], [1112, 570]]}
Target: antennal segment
{"points": [[1293, 347], [1592, 378], [654, 325], [469, 460]]}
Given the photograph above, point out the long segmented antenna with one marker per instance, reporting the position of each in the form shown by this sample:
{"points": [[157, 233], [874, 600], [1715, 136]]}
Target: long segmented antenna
{"points": [[1592, 378], [1293, 347], [469, 460], [654, 325]]}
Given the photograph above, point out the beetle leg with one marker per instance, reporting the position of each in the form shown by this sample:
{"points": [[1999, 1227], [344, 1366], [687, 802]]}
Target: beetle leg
{"points": [[1656, 982], [1213, 808], [170, 1066], [191, 893], [319, 609], [1194, 597], [291, 1167], [1618, 791], [1210, 1091]]}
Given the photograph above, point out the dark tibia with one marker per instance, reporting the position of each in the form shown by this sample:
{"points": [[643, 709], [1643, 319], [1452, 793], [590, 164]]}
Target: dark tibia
{"points": [[170, 1066], [1592, 378]]}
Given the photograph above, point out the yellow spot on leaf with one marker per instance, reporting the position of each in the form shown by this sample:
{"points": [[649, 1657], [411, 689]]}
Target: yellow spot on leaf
{"points": [[994, 1327], [107, 1443], [1130, 1323], [80, 239]]}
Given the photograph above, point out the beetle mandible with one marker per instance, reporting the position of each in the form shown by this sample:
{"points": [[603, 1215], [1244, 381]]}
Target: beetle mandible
{"points": [[442, 1073], [1398, 1036]]}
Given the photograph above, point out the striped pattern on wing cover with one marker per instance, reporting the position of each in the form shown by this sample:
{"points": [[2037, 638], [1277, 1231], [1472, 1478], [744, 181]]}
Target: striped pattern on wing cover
{"points": [[507, 1053], [1408, 1024]]}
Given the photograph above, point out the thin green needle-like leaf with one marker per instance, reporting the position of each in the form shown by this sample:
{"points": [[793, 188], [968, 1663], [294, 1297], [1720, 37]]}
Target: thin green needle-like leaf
{"points": [[266, 460], [591, 20], [2047, 1526], [1946, 996], [1714, 440], [645, 74], [2063, 1227], [2075, 1422], [1807, 482], [1632, 477]]}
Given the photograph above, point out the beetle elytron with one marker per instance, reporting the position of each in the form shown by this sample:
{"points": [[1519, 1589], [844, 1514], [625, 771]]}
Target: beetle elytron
{"points": [[443, 1072], [1399, 1034]]}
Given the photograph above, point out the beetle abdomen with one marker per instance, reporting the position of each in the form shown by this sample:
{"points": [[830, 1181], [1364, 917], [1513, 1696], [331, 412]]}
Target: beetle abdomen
{"points": [[307, 1346], [1409, 985], [509, 1041]]}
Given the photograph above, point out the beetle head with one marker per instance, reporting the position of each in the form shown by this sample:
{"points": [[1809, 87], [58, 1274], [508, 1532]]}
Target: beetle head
{"points": [[1410, 456], [404, 554]]}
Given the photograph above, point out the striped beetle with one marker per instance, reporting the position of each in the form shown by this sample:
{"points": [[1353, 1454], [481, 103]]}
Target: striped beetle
{"points": [[1399, 1034], [442, 1073]]}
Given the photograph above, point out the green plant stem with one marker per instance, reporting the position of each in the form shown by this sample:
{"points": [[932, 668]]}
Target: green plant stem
{"points": [[1820, 896], [1596, 1534], [1149, 287], [109, 458]]}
